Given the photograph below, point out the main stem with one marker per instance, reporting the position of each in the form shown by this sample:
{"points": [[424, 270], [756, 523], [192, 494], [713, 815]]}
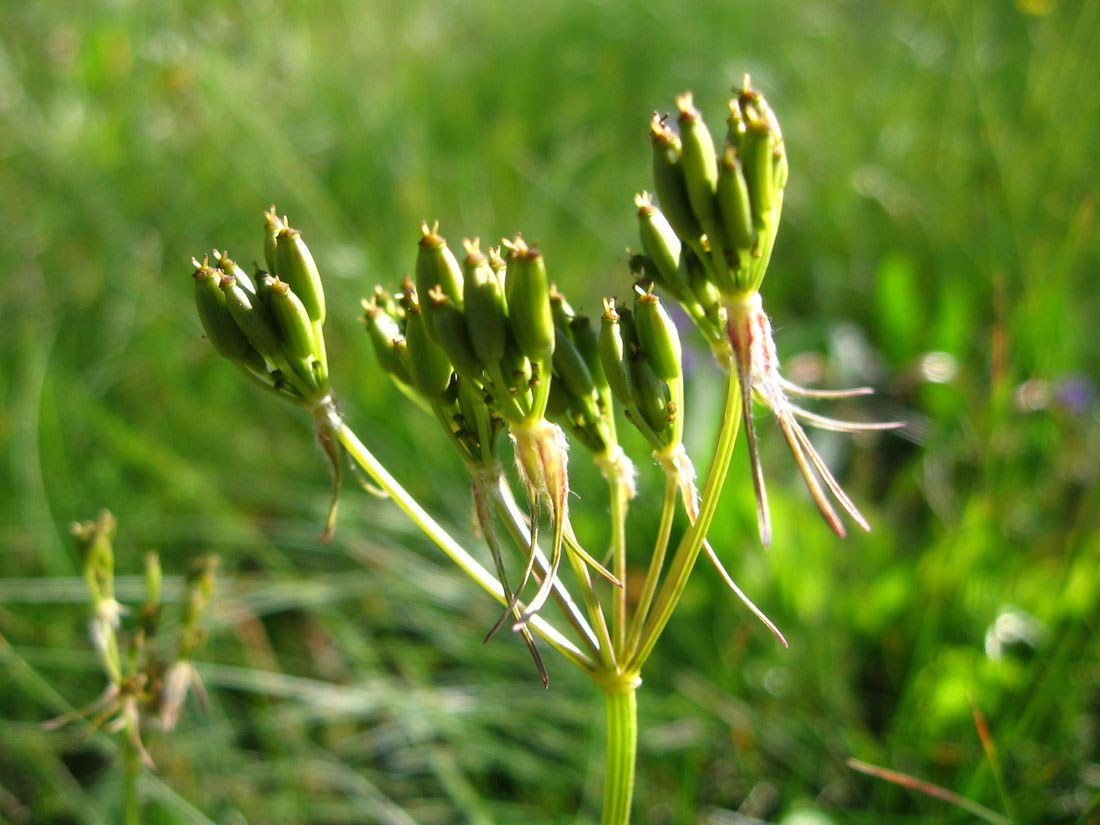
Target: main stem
{"points": [[131, 773], [621, 704]]}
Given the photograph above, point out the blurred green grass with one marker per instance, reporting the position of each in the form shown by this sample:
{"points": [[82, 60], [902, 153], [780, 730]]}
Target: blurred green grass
{"points": [[940, 224]]}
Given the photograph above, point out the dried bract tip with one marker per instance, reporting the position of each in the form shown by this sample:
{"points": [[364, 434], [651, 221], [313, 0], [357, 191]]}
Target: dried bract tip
{"points": [[272, 220], [474, 255], [429, 235], [685, 102], [660, 133], [496, 260], [609, 309], [735, 116], [517, 247]]}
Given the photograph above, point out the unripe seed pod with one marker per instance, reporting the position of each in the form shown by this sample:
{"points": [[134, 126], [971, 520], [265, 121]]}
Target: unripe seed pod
{"points": [[614, 354], [762, 154], [264, 281], [407, 298], [645, 272], [230, 267], [650, 394], [657, 336], [451, 334], [527, 292], [699, 161], [759, 176], [385, 302], [428, 365], [400, 349], [560, 309], [436, 266], [383, 331], [251, 316], [779, 167], [292, 321], [220, 328], [570, 366], [753, 106], [515, 366], [705, 292], [701, 177], [587, 343], [297, 267], [450, 394], [734, 204], [272, 227], [669, 183], [735, 124], [557, 404], [658, 238], [485, 312], [471, 405]]}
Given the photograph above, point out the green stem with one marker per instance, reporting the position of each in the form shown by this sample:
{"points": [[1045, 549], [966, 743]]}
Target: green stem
{"points": [[656, 562], [505, 402], [537, 410], [618, 550], [621, 704], [692, 541], [131, 773], [322, 357], [469, 565], [595, 612]]}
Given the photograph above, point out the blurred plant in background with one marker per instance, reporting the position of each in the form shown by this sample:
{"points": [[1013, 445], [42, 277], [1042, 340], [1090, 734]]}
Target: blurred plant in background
{"points": [[940, 230], [148, 677]]}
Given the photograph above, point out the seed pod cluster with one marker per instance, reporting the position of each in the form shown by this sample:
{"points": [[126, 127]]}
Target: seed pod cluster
{"points": [[425, 369], [718, 205], [641, 356], [490, 329], [676, 269], [488, 317], [269, 324], [579, 394]]}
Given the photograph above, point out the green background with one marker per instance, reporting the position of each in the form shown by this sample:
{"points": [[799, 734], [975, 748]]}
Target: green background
{"points": [[939, 241]]}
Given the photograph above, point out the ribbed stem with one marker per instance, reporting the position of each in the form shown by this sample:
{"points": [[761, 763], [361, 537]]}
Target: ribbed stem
{"points": [[620, 702], [618, 553], [131, 773]]}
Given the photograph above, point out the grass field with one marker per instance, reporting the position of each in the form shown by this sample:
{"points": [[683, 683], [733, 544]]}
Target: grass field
{"points": [[939, 241]]}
